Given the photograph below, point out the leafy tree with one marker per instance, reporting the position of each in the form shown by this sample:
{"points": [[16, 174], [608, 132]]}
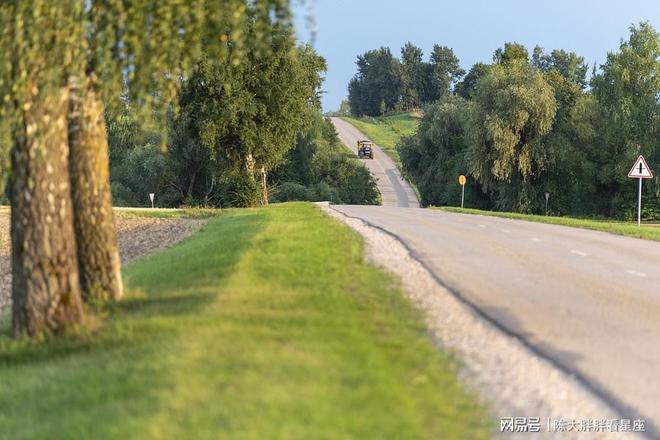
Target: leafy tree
{"points": [[467, 88], [412, 76], [378, 81], [241, 119], [61, 62], [445, 71], [319, 168], [568, 64], [515, 110], [437, 154], [627, 91], [511, 52]]}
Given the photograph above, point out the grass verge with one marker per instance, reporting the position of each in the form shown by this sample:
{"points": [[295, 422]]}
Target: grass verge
{"points": [[628, 229], [386, 131], [268, 323]]}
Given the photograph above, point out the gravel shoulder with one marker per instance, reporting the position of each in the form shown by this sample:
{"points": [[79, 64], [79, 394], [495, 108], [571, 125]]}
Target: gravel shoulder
{"points": [[137, 236], [511, 379]]}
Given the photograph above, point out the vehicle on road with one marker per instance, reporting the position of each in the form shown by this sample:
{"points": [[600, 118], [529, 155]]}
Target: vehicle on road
{"points": [[365, 149]]}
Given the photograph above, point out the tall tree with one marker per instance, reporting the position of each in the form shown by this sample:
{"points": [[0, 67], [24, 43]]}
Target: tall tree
{"points": [[445, 71], [568, 64], [95, 50], [412, 76], [249, 114], [377, 85], [467, 88], [515, 110], [627, 90], [39, 41], [512, 51]]}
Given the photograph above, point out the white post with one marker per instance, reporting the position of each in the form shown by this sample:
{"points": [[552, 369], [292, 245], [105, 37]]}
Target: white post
{"points": [[639, 204], [462, 195]]}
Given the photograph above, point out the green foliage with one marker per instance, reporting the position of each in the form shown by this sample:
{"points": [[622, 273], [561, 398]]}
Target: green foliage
{"points": [[467, 88], [143, 47], [531, 127], [515, 109], [445, 71], [241, 119], [437, 154], [385, 84], [320, 169], [377, 85]]}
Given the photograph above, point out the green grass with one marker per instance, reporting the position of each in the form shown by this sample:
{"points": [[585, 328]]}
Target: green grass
{"points": [[268, 323], [386, 131], [650, 232]]}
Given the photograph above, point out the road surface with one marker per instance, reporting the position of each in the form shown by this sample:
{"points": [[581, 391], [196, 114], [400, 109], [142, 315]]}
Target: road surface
{"points": [[394, 190], [588, 301]]}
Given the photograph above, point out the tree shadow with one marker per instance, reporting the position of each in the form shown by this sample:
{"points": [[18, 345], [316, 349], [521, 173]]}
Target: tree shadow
{"points": [[174, 284]]}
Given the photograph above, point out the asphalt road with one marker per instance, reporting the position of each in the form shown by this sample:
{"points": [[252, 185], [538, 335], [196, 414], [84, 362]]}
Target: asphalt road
{"points": [[393, 189], [588, 301]]}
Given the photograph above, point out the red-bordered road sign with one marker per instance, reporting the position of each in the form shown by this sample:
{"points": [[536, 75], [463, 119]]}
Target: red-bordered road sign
{"points": [[641, 170]]}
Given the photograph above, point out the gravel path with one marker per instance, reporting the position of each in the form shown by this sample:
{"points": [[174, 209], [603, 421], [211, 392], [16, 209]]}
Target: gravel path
{"points": [[137, 236], [510, 379]]}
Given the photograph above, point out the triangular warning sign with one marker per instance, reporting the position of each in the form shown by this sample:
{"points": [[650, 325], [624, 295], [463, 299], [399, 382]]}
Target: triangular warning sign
{"points": [[641, 170]]}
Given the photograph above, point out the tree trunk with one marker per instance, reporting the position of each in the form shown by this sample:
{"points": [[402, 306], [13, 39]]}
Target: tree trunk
{"points": [[98, 254], [264, 187], [45, 284]]}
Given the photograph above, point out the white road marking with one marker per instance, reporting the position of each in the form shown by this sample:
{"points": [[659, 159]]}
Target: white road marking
{"points": [[536, 239], [580, 253], [506, 231], [635, 273], [482, 226]]}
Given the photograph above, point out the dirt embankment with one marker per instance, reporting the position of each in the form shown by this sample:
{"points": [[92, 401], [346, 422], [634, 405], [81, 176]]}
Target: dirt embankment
{"points": [[138, 236]]}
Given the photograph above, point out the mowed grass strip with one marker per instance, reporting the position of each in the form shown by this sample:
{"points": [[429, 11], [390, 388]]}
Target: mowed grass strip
{"points": [[386, 131], [266, 324], [629, 229]]}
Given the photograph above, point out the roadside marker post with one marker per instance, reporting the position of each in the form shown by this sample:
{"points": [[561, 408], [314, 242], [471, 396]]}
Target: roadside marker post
{"points": [[151, 196], [640, 171], [461, 180], [547, 197]]}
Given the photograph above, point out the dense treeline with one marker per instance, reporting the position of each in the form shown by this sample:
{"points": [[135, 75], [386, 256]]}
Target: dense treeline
{"points": [[244, 134], [384, 83], [526, 125]]}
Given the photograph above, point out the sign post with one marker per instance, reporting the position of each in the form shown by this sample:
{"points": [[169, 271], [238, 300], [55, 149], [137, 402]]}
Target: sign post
{"points": [[461, 180], [640, 171], [151, 196], [547, 197]]}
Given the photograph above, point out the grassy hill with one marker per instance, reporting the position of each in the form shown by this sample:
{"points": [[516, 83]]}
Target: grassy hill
{"points": [[266, 324], [386, 131]]}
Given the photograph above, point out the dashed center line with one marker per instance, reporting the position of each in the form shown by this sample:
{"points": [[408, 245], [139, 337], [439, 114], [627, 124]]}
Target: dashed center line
{"points": [[580, 253], [482, 226], [636, 273], [536, 239], [506, 231]]}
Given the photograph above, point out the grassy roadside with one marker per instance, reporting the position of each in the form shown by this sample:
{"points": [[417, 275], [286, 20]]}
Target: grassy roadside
{"points": [[620, 228], [266, 324], [385, 131]]}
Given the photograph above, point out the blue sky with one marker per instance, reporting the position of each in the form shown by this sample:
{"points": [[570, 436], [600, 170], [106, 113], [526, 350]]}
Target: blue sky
{"points": [[473, 28]]}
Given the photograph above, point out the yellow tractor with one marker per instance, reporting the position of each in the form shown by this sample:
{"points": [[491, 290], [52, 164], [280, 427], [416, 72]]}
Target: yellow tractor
{"points": [[365, 149]]}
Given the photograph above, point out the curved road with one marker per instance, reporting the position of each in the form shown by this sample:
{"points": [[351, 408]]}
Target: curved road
{"points": [[394, 190], [589, 301]]}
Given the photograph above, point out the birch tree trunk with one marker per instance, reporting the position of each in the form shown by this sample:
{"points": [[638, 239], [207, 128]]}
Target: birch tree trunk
{"points": [[98, 253], [45, 283]]}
